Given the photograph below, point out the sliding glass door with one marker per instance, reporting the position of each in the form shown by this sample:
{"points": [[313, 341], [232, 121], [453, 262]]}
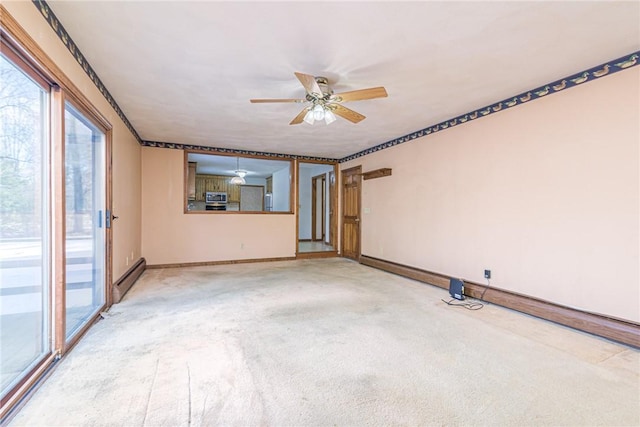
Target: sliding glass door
{"points": [[54, 196], [86, 219], [24, 254]]}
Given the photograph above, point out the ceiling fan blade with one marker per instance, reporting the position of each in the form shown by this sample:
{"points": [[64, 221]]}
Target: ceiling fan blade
{"points": [[255, 101], [357, 95], [298, 119], [346, 113], [309, 83]]}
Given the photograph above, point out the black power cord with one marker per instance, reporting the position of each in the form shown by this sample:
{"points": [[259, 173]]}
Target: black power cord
{"points": [[467, 305], [485, 289]]}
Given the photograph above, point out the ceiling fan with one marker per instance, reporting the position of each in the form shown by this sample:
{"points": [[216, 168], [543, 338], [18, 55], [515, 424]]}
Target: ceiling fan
{"points": [[324, 104]]}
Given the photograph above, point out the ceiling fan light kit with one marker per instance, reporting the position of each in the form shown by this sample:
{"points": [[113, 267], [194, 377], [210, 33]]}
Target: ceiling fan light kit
{"points": [[319, 112], [309, 117], [325, 105], [329, 117]]}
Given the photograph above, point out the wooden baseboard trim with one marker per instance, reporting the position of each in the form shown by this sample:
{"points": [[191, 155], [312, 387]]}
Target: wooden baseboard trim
{"points": [[233, 261], [607, 327], [127, 280], [323, 254]]}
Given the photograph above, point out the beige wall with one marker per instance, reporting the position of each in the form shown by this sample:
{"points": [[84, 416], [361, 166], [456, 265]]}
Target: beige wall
{"points": [[545, 195], [169, 236], [125, 150]]}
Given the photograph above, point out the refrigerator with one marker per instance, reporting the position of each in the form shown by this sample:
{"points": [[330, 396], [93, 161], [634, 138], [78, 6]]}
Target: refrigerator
{"points": [[268, 202]]}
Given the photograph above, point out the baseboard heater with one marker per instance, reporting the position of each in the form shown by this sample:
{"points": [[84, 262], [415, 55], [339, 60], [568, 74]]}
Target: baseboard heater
{"points": [[125, 282]]}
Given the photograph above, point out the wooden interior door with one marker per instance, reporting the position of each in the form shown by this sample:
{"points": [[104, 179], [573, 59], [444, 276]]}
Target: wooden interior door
{"points": [[351, 179]]}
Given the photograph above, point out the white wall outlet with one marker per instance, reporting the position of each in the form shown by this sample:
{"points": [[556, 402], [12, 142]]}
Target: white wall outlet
{"points": [[367, 210]]}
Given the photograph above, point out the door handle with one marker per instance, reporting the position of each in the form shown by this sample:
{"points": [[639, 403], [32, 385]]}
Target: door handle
{"points": [[108, 218], [357, 220]]}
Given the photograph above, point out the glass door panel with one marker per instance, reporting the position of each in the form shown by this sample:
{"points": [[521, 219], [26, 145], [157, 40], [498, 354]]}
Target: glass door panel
{"points": [[85, 219], [24, 253]]}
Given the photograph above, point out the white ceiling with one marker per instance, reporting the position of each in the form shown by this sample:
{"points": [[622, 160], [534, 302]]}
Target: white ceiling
{"points": [[213, 164], [184, 72], [227, 165]]}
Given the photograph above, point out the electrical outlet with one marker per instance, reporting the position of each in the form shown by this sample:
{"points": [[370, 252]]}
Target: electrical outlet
{"points": [[487, 274]]}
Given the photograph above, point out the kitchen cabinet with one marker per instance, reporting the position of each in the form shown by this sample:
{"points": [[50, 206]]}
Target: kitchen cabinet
{"points": [[191, 181], [204, 183], [234, 193], [200, 188]]}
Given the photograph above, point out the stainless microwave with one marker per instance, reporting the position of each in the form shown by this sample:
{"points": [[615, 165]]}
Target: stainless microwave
{"points": [[215, 197]]}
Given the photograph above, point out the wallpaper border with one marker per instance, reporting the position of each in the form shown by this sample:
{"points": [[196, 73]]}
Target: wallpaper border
{"points": [[556, 86], [66, 39], [177, 146]]}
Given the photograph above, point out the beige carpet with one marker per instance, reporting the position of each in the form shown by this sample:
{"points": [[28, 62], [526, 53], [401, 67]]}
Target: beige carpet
{"points": [[328, 342]]}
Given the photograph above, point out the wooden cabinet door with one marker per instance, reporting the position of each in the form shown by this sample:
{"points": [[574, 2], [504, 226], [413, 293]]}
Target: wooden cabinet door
{"points": [[210, 183], [351, 212], [224, 185], [234, 193], [200, 188], [191, 181]]}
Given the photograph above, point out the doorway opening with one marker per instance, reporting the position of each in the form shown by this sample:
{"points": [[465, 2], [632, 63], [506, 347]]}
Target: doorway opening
{"points": [[55, 237], [318, 208], [317, 202]]}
